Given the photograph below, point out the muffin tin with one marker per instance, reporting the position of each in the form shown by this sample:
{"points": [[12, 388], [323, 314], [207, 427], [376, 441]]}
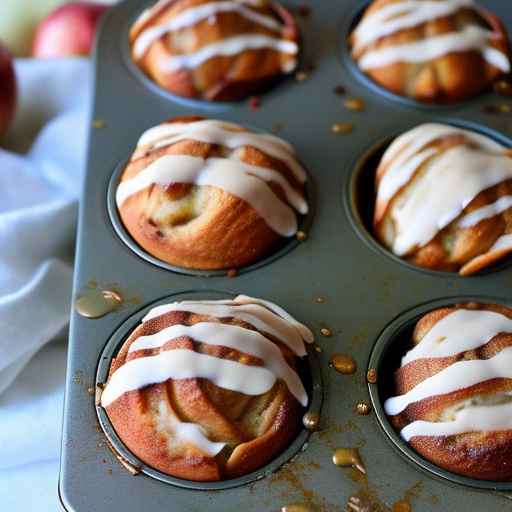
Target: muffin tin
{"points": [[338, 278]]}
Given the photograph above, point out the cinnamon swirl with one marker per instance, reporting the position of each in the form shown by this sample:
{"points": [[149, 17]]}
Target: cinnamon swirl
{"points": [[454, 390], [431, 50], [444, 199], [208, 194], [218, 50], [209, 390]]}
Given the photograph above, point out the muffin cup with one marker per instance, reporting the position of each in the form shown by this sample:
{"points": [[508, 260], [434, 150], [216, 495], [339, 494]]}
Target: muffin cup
{"points": [[360, 196], [390, 347], [347, 25], [192, 103], [283, 246], [309, 371]]}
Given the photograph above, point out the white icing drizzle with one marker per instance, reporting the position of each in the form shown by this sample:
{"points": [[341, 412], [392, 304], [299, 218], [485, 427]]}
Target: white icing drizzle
{"points": [[459, 331], [185, 432], [233, 46], [260, 317], [186, 364], [235, 337], [503, 243], [471, 419], [303, 330], [470, 38], [460, 375], [245, 181], [486, 212], [194, 15], [148, 13], [398, 16], [455, 178], [231, 174], [447, 184], [404, 152], [225, 134], [401, 172]]}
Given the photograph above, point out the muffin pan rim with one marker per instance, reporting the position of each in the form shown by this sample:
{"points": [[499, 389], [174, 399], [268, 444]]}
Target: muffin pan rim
{"points": [[119, 337], [383, 342], [356, 219]]}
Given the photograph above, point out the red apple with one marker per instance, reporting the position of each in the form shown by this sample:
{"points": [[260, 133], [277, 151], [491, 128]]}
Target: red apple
{"points": [[68, 30], [7, 90]]}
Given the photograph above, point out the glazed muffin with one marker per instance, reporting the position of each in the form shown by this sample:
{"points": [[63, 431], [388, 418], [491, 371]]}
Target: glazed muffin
{"points": [[444, 199], [215, 49], [208, 194], [431, 50], [454, 403], [209, 390]]}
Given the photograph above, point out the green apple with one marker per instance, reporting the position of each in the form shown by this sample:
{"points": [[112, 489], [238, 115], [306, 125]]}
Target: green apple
{"points": [[18, 20]]}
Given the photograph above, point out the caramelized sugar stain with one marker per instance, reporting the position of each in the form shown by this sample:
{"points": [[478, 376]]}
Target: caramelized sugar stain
{"points": [[359, 338], [298, 507], [348, 457], [329, 434], [342, 128], [402, 506], [311, 421], [356, 104], [413, 492], [291, 480], [343, 364], [367, 500], [96, 301], [371, 376], [363, 408], [434, 500]]}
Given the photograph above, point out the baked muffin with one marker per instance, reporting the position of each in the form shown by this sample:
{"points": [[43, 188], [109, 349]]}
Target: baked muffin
{"points": [[444, 199], [215, 49], [207, 194], [209, 390], [431, 50], [454, 403]]}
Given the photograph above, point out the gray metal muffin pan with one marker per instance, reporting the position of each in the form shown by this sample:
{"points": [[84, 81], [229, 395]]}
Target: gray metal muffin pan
{"points": [[363, 287]]}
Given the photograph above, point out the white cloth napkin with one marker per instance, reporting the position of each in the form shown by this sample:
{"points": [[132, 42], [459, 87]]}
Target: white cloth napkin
{"points": [[38, 204]]}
